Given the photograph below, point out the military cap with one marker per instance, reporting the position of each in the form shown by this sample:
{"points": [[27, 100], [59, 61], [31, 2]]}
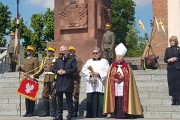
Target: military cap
{"points": [[29, 47], [12, 34], [108, 25], [51, 49], [72, 48]]}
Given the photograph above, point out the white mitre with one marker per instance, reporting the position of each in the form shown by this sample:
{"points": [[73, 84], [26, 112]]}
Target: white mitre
{"points": [[120, 49]]}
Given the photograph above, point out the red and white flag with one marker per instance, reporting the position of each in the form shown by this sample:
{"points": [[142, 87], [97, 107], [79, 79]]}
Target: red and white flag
{"points": [[28, 88]]}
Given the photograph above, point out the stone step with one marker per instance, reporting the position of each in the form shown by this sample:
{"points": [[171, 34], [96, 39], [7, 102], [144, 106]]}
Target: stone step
{"points": [[152, 87]]}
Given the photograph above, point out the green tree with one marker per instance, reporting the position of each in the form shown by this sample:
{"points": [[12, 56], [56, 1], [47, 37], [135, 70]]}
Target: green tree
{"points": [[49, 25], [5, 22], [134, 42], [122, 16], [37, 39]]}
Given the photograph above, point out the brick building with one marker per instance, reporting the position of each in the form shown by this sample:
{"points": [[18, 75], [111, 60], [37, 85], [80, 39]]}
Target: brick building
{"points": [[168, 11]]}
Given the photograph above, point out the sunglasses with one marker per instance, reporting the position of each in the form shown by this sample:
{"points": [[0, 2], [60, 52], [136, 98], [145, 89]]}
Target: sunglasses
{"points": [[95, 53]]}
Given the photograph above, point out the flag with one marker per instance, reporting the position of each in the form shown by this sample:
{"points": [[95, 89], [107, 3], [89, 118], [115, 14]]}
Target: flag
{"points": [[162, 26], [28, 88], [141, 25], [157, 24], [16, 40]]}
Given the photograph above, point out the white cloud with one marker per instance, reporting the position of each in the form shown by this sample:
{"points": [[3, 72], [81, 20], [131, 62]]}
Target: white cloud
{"points": [[42, 3], [142, 3]]}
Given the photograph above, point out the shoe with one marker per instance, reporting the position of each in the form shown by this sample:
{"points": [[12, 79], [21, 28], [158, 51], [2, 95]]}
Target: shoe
{"points": [[25, 115], [75, 114], [53, 114], [30, 115], [69, 117], [59, 117], [44, 115]]}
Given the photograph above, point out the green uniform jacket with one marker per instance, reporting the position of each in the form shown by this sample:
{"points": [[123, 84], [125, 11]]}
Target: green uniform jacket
{"points": [[108, 40], [31, 65], [46, 67]]}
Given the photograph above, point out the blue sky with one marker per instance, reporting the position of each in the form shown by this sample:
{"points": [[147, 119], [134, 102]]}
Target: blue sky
{"points": [[29, 7]]}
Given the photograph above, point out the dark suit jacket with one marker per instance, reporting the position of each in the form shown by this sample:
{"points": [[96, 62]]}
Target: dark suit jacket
{"points": [[172, 52], [65, 83]]}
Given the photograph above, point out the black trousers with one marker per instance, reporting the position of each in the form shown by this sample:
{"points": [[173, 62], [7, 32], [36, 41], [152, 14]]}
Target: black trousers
{"points": [[29, 106], [95, 105], [69, 102]]}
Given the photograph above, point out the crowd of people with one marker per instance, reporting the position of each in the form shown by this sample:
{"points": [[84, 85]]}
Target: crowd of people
{"points": [[110, 85]]}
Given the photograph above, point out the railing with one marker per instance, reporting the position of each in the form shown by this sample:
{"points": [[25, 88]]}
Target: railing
{"points": [[4, 60]]}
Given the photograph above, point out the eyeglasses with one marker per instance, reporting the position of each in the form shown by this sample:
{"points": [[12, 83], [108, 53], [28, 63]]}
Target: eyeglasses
{"points": [[95, 53]]}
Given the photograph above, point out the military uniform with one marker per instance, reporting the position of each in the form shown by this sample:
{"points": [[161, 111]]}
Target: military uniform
{"points": [[108, 42], [48, 89], [30, 67], [76, 91], [12, 54]]}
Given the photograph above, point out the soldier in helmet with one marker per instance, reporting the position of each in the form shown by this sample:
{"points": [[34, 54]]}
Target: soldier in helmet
{"points": [[76, 76], [29, 66], [12, 53], [49, 78], [108, 44]]}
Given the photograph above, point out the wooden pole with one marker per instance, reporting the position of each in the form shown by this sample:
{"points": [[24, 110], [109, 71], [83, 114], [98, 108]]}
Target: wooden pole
{"points": [[18, 48]]}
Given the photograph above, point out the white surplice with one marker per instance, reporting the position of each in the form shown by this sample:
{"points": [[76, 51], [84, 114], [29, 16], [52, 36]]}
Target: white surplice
{"points": [[100, 66]]}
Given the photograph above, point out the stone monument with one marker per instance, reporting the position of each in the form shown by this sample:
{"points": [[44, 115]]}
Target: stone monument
{"points": [[80, 23]]}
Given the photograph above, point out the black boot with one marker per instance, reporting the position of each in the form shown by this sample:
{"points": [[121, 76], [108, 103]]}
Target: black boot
{"points": [[69, 117], [53, 107], [59, 117], [173, 100], [11, 67], [27, 103], [76, 105], [46, 108], [32, 104]]}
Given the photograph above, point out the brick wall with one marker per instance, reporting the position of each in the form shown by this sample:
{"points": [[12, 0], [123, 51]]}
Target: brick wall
{"points": [[160, 39]]}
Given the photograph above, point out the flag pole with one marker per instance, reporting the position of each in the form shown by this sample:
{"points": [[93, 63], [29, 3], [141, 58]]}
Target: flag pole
{"points": [[18, 48]]}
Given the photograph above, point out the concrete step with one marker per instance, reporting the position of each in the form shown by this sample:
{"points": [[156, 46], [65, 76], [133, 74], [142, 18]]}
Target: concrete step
{"points": [[152, 87]]}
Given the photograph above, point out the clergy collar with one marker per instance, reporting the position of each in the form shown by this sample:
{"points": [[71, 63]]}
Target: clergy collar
{"points": [[94, 59], [120, 63]]}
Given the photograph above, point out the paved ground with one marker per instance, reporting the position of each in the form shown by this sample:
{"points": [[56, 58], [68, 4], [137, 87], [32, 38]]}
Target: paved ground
{"points": [[44, 118], [49, 118]]}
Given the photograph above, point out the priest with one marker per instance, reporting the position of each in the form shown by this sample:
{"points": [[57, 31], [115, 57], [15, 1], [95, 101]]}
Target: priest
{"points": [[121, 98], [95, 72]]}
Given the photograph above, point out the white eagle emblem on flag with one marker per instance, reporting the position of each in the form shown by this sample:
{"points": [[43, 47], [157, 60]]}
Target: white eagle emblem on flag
{"points": [[29, 87]]}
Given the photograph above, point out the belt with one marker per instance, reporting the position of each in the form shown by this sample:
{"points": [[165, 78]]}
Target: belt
{"points": [[48, 73]]}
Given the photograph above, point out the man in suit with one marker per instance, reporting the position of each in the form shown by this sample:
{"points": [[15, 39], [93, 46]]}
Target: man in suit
{"points": [[29, 66], [49, 78], [65, 66], [12, 53], [77, 78]]}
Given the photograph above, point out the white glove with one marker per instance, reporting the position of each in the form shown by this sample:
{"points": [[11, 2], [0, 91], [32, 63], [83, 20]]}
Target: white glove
{"points": [[31, 76]]}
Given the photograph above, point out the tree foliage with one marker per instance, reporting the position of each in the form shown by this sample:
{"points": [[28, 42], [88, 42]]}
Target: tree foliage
{"points": [[5, 22], [41, 31], [122, 16], [134, 42]]}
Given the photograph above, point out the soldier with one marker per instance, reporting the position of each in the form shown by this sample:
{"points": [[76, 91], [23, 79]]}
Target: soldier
{"points": [[108, 43], [12, 53], [76, 76], [49, 78], [29, 66]]}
